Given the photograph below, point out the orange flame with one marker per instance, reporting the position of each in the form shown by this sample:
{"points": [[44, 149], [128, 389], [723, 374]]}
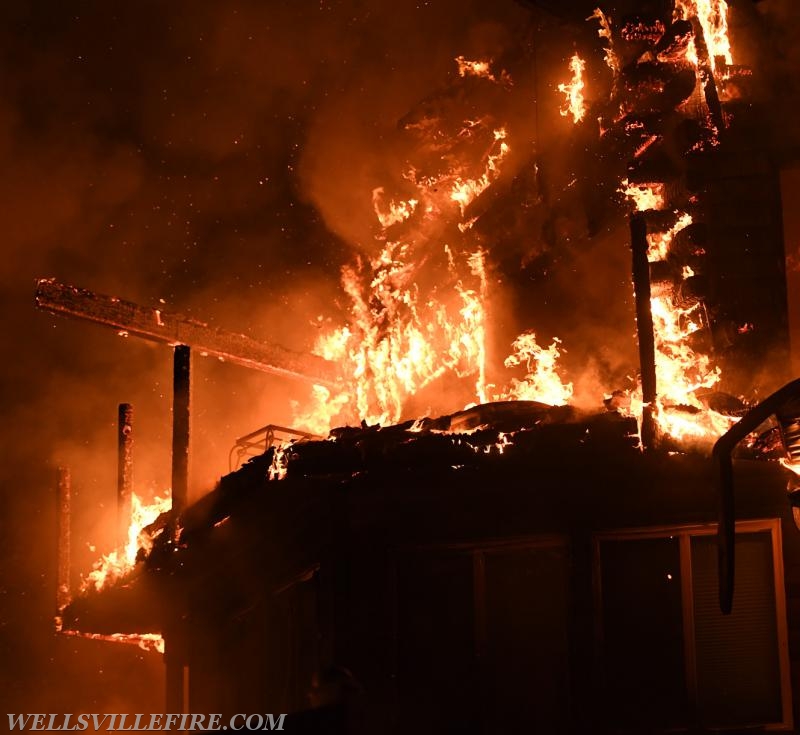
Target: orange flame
{"points": [[119, 562], [397, 211], [145, 641], [465, 191], [659, 242], [713, 17], [542, 382], [481, 68], [398, 343], [605, 32], [644, 196], [573, 90]]}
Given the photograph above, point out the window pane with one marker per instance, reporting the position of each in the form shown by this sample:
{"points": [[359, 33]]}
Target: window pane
{"points": [[644, 679], [526, 676], [737, 655], [435, 646]]}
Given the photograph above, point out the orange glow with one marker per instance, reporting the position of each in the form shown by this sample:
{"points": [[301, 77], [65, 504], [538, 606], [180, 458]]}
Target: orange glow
{"points": [[119, 562], [573, 91]]}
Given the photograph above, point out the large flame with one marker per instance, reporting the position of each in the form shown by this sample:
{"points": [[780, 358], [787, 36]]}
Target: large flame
{"points": [[406, 331], [398, 342], [417, 309]]}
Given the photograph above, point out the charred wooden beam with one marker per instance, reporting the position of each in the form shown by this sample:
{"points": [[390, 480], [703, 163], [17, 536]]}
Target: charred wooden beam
{"points": [[124, 471], [174, 634], [782, 402], [644, 326], [707, 76], [171, 328], [64, 493]]}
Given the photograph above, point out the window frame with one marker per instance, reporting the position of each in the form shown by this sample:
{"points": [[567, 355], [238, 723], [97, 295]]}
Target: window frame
{"points": [[684, 534]]}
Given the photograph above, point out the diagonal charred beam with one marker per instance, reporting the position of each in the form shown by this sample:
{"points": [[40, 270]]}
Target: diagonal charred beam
{"points": [[174, 329]]}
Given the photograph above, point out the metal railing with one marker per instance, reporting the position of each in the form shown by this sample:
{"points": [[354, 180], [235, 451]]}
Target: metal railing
{"points": [[257, 442]]}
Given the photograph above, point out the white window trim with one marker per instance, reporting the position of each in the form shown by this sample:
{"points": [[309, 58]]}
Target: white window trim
{"points": [[684, 533]]}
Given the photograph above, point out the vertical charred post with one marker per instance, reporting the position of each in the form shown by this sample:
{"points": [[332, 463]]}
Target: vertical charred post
{"points": [[64, 493], [124, 470], [180, 427], [644, 326], [175, 652]]}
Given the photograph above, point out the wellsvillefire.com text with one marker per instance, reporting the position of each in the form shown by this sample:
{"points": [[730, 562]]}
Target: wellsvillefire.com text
{"points": [[142, 723]]}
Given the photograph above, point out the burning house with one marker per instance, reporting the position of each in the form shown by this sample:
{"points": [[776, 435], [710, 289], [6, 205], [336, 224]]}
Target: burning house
{"points": [[535, 559]]}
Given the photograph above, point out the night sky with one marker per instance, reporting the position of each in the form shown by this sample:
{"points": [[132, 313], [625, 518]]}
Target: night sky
{"points": [[218, 157]]}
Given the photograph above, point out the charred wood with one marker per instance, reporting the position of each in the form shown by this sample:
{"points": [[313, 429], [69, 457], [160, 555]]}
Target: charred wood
{"points": [[172, 329]]}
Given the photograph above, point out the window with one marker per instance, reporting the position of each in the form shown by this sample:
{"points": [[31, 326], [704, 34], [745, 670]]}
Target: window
{"points": [[481, 637], [668, 657]]}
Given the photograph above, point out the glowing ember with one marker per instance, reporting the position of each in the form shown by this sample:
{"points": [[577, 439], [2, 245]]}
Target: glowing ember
{"points": [[573, 91], [644, 196], [119, 562], [542, 382]]}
